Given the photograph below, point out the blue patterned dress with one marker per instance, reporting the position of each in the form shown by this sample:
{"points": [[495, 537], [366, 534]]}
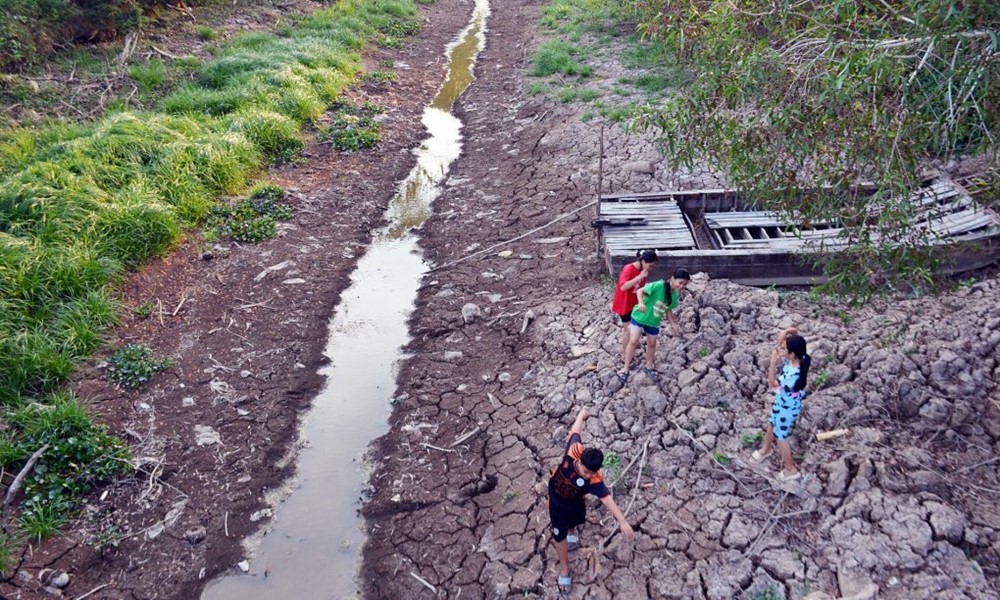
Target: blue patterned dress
{"points": [[787, 403]]}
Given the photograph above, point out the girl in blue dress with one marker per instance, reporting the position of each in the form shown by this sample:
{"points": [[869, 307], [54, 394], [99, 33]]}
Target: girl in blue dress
{"points": [[789, 385]]}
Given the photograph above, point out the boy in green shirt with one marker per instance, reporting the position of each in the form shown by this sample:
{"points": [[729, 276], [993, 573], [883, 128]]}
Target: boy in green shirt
{"points": [[656, 300]]}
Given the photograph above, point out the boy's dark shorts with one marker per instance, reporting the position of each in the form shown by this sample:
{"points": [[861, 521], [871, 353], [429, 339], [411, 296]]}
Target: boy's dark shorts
{"points": [[565, 517], [626, 318]]}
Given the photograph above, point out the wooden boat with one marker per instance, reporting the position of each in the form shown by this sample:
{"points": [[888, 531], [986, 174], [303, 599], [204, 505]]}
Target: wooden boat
{"points": [[712, 231]]}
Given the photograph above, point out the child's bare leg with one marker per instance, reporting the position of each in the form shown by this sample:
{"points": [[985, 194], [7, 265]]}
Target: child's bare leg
{"points": [[768, 439], [786, 457], [650, 350], [562, 551], [625, 337], [633, 333]]}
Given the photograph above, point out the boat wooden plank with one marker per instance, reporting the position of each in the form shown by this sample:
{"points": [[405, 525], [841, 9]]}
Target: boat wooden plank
{"points": [[678, 238], [746, 219], [667, 195], [648, 234], [645, 206], [953, 226], [646, 214], [655, 242]]}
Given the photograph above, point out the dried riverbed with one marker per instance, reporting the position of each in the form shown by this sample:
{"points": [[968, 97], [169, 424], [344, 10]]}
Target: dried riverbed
{"points": [[906, 504]]}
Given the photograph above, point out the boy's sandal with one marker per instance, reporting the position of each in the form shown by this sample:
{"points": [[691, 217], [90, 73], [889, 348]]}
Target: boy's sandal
{"points": [[786, 478], [759, 457], [565, 583], [651, 373], [573, 542], [622, 376]]}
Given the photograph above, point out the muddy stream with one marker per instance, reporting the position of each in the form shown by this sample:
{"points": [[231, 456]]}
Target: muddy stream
{"points": [[312, 548]]}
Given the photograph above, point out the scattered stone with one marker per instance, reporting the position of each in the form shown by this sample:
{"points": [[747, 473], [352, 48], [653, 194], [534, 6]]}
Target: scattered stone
{"points": [[639, 166], [470, 312], [578, 351], [244, 374], [206, 436], [59, 579], [244, 566]]}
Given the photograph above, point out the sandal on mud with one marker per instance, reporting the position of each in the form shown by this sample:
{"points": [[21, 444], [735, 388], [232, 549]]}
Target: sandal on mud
{"points": [[786, 478], [573, 542], [565, 583], [652, 374], [761, 457], [622, 376]]}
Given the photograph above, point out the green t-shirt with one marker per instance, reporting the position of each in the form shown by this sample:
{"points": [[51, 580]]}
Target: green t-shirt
{"points": [[654, 299]]}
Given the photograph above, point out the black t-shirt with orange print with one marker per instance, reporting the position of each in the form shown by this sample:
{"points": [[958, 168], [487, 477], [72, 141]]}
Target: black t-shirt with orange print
{"points": [[566, 486]]}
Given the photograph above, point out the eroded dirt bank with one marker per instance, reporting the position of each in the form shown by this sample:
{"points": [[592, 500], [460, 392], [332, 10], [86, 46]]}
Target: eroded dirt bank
{"points": [[905, 506]]}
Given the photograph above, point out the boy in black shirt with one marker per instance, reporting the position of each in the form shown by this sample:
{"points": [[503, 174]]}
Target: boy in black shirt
{"points": [[577, 475]]}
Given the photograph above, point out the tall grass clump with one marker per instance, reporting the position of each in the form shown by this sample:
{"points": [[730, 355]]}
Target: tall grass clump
{"points": [[557, 56], [80, 205]]}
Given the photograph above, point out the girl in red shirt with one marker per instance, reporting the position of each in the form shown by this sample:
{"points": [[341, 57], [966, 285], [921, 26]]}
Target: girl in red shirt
{"points": [[632, 277]]}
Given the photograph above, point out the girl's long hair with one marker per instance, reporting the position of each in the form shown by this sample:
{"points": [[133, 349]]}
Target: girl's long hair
{"points": [[796, 344]]}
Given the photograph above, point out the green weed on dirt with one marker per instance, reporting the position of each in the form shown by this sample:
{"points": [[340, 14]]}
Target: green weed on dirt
{"points": [[354, 127], [251, 220], [134, 365], [81, 204], [76, 455]]}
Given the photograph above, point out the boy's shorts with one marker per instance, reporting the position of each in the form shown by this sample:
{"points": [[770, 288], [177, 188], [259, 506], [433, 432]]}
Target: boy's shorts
{"points": [[654, 331], [626, 317], [565, 517]]}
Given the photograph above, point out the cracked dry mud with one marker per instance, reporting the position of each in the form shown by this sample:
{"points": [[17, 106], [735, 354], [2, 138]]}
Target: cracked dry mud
{"points": [[905, 506]]}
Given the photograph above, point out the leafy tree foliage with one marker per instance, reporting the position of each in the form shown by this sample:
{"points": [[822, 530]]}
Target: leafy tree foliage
{"points": [[795, 95]]}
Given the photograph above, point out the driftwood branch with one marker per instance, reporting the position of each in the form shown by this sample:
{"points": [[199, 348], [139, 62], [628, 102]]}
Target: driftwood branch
{"points": [[635, 488], [520, 237], [423, 581], [15, 486], [464, 437], [93, 591]]}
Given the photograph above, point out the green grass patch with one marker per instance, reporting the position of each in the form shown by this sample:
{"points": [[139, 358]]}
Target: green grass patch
{"points": [[206, 33], [721, 458], [150, 75], [81, 204], [381, 77], [616, 113], [557, 56], [612, 470]]}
